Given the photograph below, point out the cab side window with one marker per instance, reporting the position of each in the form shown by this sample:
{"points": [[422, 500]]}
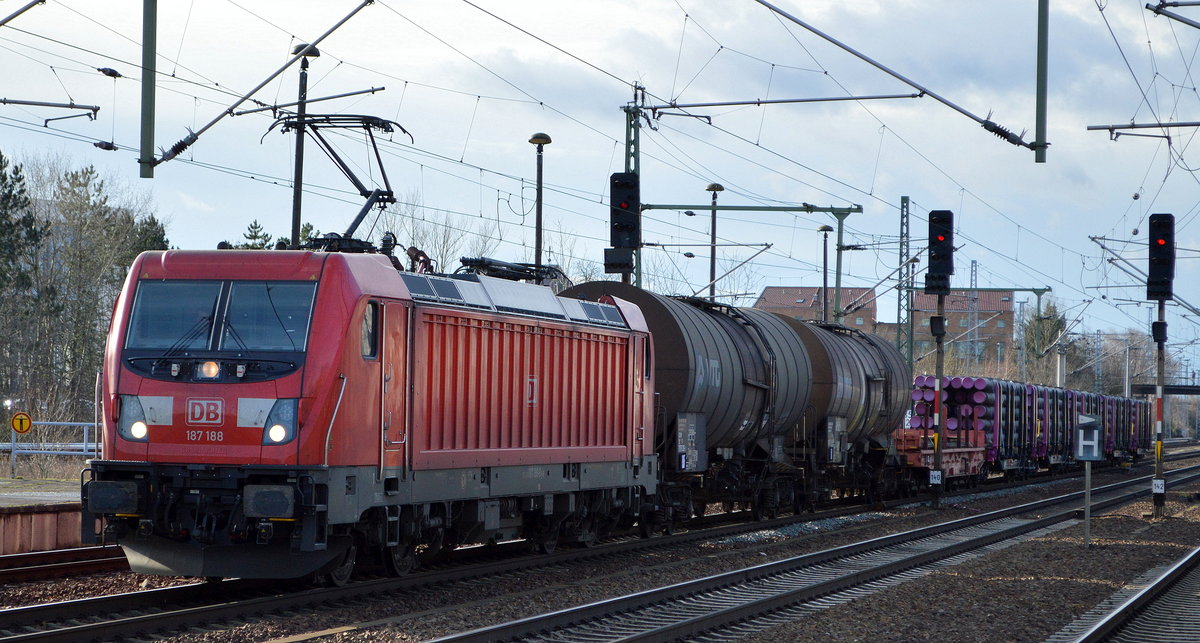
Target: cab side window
{"points": [[370, 330]]}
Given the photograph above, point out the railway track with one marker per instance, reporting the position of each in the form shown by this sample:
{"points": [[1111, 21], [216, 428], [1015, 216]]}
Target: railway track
{"points": [[203, 605], [1164, 610], [232, 601], [727, 605], [60, 563]]}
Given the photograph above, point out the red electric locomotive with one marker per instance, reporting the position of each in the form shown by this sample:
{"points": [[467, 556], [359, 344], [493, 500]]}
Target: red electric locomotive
{"points": [[282, 413]]}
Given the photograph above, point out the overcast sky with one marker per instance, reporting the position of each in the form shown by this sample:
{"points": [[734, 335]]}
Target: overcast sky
{"points": [[473, 80]]}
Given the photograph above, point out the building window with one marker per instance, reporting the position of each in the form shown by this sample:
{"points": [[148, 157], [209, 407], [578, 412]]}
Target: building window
{"points": [[925, 322], [962, 322], [858, 321], [1000, 323]]}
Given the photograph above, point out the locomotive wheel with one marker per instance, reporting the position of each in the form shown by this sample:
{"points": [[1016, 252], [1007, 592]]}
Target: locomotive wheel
{"points": [[646, 525], [668, 522], [340, 574], [399, 559], [434, 546], [765, 506]]}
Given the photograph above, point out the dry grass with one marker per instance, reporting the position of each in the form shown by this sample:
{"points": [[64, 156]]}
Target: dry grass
{"points": [[45, 467]]}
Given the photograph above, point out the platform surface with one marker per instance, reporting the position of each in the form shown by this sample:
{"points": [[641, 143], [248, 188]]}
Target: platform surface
{"points": [[18, 493]]}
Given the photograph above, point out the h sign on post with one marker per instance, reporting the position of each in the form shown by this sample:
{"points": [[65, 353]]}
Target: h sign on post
{"points": [[1087, 440]]}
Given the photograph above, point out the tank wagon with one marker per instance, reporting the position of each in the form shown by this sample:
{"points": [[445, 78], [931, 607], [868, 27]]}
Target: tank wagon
{"points": [[281, 413], [762, 409], [999, 426]]}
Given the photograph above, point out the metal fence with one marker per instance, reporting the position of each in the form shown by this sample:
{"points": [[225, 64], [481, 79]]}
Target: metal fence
{"points": [[26, 444]]}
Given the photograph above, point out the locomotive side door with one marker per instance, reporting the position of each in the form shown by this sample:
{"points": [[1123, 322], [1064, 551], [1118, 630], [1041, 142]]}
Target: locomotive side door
{"points": [[395, 372], [643, 428]]}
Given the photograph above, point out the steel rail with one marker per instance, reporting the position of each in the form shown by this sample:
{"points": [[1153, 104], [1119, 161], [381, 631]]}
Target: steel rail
{"points": [[144, 611], [41, 565], [1141, 605], [235, 598], [716, 618]]}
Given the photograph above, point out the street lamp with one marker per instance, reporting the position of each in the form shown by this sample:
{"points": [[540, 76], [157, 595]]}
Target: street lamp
{"points": [[825, 230], [715, 188], [539, 139], [308, 51]]}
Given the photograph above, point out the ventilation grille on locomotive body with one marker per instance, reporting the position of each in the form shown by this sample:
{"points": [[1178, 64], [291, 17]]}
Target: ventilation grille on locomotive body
{"points": [[504, 296]]}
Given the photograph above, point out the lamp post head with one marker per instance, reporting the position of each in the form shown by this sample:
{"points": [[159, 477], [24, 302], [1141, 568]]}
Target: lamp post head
{"points": [[690, 255], [825, 228], [307, 50], [714, 188], [689, 213], [540, 138]]}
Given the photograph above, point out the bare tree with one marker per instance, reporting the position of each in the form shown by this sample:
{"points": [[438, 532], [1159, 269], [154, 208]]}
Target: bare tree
{"points": [[444, 236]]}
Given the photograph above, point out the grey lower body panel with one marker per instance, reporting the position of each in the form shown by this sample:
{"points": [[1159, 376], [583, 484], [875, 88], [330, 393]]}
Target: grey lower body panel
{"points": [[157, 555], [450, 485]]}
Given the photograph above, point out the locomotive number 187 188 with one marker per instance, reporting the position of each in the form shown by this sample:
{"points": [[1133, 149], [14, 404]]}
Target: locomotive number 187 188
{"points": [[209, 436]]}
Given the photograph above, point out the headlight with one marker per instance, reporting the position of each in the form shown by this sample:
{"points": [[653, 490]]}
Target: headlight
{"points": [[132, 423], [208, 370], [280, 426]]}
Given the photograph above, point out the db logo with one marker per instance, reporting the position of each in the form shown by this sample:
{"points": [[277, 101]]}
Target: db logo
{"points": [[205, 411]]}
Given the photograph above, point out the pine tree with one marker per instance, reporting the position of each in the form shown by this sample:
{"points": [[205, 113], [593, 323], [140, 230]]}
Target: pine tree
{"points": [[256, 238], [19, 229]]}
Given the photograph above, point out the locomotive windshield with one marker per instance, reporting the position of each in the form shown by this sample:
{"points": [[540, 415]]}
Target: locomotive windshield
{"points": [[239, 316]]}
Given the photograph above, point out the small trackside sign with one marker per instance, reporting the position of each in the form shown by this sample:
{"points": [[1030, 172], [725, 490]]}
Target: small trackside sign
{"points": [[205, 411], [1088, 440]]}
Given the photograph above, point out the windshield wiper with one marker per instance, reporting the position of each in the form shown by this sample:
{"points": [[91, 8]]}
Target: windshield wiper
{"points": [[232, 332], [192, 333], [286, 332]]}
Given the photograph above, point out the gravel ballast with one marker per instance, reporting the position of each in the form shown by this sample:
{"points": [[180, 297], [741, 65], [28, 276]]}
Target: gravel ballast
{"points": [[1026, 592]]}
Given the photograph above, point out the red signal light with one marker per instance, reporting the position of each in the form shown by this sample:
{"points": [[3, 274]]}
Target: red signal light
{"points": [[1161, 242], [624, 205], [941, 237]]}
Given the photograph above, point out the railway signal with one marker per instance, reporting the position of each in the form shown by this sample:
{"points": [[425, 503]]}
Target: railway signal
{"points": [[1162, 257], [941, 252], [937, 282], [625, 210], [1159, 280]]}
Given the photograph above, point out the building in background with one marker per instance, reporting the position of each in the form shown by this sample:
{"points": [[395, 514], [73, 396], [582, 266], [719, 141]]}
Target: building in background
{"points": [[979, 324], [804, 302]]}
